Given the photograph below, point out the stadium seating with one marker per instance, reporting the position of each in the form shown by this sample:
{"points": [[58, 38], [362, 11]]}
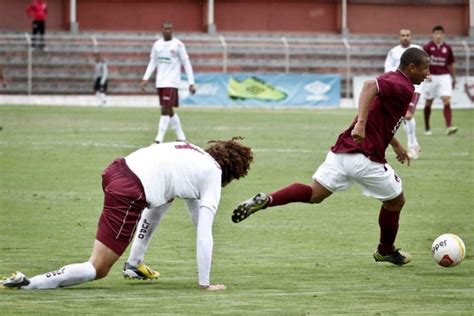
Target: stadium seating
{"points": [[66, 66]]}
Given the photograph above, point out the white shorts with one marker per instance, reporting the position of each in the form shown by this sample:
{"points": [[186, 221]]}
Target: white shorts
{"points": [[439, 86], [339, 171]]}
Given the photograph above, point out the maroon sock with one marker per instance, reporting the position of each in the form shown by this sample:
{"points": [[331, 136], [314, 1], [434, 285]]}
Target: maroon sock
{"points": [[447, 115], [295, 192], [388, 222], [427, 114]]}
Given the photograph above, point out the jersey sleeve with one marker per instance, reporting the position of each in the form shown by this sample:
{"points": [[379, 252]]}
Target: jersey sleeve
{"points": [[210, 189], [389, 63], [151, 65], [184, 58]]}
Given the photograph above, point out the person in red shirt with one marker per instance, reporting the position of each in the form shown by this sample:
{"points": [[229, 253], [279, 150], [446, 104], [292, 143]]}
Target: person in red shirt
{"points": [[38, 11], [359, 155], [442, 79]]}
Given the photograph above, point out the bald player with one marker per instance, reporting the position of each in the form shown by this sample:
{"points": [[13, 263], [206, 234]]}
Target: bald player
{"points": [[391, 64]]}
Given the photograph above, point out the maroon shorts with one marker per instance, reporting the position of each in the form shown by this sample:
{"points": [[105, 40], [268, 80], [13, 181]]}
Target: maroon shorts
{"points": [[124, 201], [168, 97]]}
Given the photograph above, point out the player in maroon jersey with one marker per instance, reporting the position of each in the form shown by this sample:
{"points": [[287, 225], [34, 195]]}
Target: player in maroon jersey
{"points": [[442, 80], [359, 155]]}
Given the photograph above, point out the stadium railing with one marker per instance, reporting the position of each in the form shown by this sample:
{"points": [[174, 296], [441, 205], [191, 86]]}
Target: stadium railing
{"points": [[66, 65]]}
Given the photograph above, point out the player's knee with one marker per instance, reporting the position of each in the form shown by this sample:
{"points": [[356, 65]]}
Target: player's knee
{"points": [[101, 272], [396, 204]]}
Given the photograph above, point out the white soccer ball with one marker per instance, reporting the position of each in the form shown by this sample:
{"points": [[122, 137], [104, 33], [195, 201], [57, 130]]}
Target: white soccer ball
{"points": [[448, 250]]}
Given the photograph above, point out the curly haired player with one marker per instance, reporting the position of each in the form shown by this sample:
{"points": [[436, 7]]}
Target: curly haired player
{"points": [[138, 189]]}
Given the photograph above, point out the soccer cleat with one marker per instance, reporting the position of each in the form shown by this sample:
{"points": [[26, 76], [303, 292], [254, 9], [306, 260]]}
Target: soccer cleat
{"points": [[451, 130], [247, 208], [16, 281], [139, 272], [397, 257], [254, 88], [428, 132], [414, 152]]}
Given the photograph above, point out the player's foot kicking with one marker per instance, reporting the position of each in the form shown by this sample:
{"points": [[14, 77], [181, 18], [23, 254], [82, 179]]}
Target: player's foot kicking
{"points": [[451, 130], [247, 208], [16, 281], [396, 257], [139, 272]]}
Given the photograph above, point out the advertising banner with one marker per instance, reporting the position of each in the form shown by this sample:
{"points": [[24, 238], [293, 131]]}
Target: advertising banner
{"points": [[462, 97], [229, 89]]}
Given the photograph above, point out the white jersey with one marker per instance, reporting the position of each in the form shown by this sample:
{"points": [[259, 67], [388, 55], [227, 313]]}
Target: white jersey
{"points": [[167, 57], [101, 71], [177, 170], [393, 59]]}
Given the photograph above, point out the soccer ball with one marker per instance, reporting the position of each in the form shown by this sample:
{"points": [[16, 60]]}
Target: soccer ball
{"points": [[448, 250]]}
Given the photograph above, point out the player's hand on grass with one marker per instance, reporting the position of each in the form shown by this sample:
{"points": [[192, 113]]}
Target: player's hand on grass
{"points": [[143, 85], [213, 287]]}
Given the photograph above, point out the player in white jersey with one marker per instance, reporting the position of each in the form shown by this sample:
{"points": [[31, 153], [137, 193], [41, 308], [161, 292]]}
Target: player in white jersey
{"points": [[167, 56], [101, 78], [391, 64], [151, 178]]}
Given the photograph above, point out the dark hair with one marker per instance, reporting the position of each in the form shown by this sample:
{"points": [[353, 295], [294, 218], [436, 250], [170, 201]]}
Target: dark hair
{"points": [[438, 28], [233, 157], [412, 55]]}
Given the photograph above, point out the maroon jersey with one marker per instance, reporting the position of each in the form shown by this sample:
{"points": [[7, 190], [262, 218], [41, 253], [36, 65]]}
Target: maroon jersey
{"points": [[440, 57], [386, 113]]}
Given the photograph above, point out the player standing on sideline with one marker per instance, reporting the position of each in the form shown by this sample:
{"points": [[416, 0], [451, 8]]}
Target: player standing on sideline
{"points": [[38, 10], [359, 155], [152, 177], [167, 56], [442, 80], [101, 75], [391, 64], [3, 80]]}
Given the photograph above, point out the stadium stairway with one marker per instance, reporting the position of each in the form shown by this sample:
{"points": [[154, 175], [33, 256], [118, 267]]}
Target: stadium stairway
{"points": [[66, 66]]}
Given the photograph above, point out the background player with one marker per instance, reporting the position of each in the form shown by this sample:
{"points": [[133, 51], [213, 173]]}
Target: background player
{"points": [[442, 80], [38, 10], [391, 64], [3, 80], [152, 177], [359, 155], [167, 56], [101, 78]]}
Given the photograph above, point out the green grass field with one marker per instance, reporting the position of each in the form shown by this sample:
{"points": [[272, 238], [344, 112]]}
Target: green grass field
{"points": [[293, 260]]}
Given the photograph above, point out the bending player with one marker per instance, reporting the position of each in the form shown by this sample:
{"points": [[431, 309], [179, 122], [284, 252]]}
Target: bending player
{"points": [[152, 177]]}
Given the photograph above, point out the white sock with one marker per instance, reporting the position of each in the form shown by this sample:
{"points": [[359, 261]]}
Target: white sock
{"points": [[149, 220], [162, 128], [69, 275], [176, 126], [102, 98], [410, 128]]}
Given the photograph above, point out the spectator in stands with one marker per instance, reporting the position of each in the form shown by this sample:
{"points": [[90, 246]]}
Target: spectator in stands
{"points": [[100, 78], [391, 64], [442, 80], [38, 10], [3, 80], [167, 56]]}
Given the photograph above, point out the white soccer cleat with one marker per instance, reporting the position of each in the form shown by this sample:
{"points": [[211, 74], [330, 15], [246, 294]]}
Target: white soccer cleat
{"points": [[15, 281]]}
